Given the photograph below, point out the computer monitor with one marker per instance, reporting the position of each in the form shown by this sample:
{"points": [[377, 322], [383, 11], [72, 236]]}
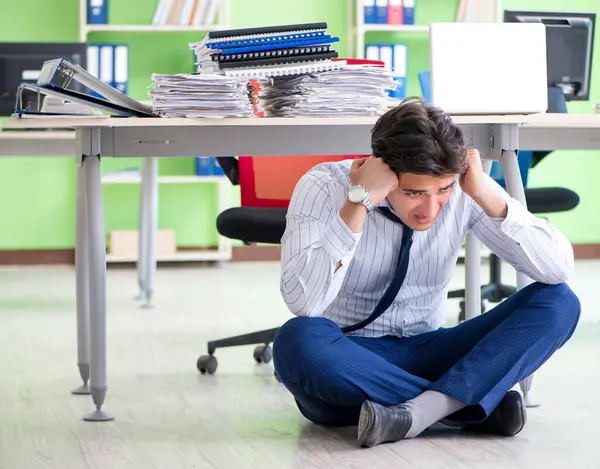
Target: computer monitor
{"points": [[22, 62], [569, 48]]}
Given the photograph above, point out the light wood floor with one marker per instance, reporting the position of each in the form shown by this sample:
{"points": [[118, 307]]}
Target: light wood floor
{"points": [[170, 417]]}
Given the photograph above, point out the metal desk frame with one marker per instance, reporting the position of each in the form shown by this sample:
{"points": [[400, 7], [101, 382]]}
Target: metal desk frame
{"points": [[496, 137]]}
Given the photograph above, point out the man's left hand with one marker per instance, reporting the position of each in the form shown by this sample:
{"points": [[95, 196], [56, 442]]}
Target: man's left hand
{"points": [[472, 181]]}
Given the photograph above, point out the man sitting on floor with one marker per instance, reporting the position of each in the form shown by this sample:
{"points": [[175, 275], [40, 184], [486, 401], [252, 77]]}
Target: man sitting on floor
{"points": [[368, 252]]}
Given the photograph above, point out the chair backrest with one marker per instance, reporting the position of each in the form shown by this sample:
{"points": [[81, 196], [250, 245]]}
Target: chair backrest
{"points": [[269, 181]]}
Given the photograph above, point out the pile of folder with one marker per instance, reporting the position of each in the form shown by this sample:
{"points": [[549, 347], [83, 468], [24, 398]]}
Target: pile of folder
{"points": [[267, 51], [193, 95], [355, 90]]}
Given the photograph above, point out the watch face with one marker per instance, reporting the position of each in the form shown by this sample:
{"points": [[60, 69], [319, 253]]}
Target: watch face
{"points": [[357, 194]]}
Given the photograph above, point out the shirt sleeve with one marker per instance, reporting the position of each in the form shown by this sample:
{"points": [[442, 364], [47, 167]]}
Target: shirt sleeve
{"points": [[527, 242], [315, 240]]}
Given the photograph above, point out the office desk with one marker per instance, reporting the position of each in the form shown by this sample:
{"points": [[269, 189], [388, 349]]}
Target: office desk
{"points": [[37, 143], [53, 143], [496, 137]]}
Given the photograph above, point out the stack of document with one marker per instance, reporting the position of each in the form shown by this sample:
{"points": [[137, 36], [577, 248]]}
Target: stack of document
{"points": [[192, 95], [356, 90], [267, 51]]}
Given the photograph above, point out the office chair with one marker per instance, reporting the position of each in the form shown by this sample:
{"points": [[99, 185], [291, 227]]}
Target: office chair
{"points": [[266, 185], [543, 200]]}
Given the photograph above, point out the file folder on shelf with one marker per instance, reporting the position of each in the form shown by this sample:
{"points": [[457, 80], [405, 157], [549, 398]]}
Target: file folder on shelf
{"points": [[58, 74], [395, 12], [381, 11], [409, 12], [97, 11], [109, 63], [370, 16]]}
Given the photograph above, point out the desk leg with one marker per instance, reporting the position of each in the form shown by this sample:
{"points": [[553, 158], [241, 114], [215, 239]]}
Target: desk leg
{"points": [[473, 268], [96, 263], [81, 282], [514, 186], [472, 277], [148, 229], [141, 269]]}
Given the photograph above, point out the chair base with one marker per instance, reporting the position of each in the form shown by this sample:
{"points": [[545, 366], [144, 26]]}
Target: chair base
{"points": [[262, 353], [493, 292]]}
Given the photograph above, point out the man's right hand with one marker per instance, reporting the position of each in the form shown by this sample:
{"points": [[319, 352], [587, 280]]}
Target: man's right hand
{"points": [[374, 174]]}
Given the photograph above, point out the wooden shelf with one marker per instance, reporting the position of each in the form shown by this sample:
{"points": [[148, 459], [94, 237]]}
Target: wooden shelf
{"points": [[396, 28], [150, 28], [136, 179]]}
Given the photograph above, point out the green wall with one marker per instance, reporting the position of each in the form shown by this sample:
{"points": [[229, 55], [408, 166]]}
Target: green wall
{"points": [[42, 191]]}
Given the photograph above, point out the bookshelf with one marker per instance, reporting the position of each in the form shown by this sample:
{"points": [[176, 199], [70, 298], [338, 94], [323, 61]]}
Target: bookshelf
{"points": [[415, 34], [99, 33], [85, 29], [223, 251]]}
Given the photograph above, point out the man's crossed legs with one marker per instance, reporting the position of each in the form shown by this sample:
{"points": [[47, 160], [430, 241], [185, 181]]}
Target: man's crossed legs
{"points": [[398, 387]]}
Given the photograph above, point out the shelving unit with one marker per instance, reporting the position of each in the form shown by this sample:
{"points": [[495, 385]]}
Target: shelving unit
{"points": [[85, 28], [359, 28], [222, 253], [136, 179]]}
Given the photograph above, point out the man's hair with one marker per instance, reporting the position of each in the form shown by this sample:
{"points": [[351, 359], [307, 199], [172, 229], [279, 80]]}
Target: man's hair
{"points": [[416, 137]]}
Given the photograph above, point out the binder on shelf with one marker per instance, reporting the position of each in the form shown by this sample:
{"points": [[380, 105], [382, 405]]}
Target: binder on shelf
{"points": [[369, 12], [208, 166], [121, 67], [54, 80], [409, 11], [395, 12], [381, 11], [109, 63], [372, 52], [399, 64], [394, 57], [203, 166], [97, 11], [216, 167]]}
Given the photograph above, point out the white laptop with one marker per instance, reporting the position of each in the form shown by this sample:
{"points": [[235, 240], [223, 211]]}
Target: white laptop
{"points": [[488, 68]]}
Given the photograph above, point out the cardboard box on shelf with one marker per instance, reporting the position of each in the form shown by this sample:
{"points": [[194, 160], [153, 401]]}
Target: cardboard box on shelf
{"points": [[124, 243]]}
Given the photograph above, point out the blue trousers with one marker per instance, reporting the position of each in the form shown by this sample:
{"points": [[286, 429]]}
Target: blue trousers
{"points": [[477, 362]]}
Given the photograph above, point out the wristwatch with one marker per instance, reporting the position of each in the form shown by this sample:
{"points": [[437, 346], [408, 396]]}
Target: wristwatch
{"points": [[360, 195]]}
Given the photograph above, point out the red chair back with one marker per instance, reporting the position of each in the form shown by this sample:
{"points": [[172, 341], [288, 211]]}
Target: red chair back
{"points": [[269, 181]]}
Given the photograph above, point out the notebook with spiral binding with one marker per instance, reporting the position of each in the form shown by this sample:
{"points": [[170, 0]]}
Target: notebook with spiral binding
{"points": [[279, 53], [275, 60], [248, 34], [297, 68], [284, 44]]}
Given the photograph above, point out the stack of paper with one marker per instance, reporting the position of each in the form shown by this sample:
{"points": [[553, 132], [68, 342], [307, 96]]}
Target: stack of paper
{"points": [[267, 51], [356, 90], [185, 95]]}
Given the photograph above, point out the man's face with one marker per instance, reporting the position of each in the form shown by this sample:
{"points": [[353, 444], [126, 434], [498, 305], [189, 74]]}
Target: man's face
{"points": [[419, 199]]}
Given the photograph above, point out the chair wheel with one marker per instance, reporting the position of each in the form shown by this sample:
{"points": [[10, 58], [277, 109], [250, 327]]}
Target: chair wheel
{"points": [[207, 364], [463, 310], [263, 354]]}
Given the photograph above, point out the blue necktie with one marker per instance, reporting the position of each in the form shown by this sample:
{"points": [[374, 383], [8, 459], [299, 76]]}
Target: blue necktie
{"points": [[401, 269]]}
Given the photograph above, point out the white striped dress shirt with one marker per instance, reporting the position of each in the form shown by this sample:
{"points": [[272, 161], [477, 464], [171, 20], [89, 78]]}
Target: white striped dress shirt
{"points": [[316, 239]]}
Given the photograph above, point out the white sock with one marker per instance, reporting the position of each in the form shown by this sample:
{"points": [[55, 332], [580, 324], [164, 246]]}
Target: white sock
{"points": [[429, 408]]}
